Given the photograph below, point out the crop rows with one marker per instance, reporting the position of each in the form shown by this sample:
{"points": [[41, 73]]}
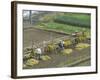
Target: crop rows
{"points": [[73, 21]]}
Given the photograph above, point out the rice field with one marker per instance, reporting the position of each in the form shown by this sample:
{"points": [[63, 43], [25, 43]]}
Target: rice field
{"points": [[50, 26]]}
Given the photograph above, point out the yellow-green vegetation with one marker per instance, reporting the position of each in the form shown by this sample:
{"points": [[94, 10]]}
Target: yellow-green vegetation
{"points": [[45, 57], [26, 56], [80, 39], [67, 42], [50, 47], [82, 36], [81, 46], [32, 62], [86, 34], [67, 51], [32, 53], [29, 53]]}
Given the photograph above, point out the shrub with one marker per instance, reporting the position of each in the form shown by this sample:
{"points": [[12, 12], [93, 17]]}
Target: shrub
{"points": [[67, 42], [45, 58], [26, 56], [81, 46], [29, 53], [86, 34], [32, 62], [81, 37], [50, 47], [32, 53], [66, 51]]}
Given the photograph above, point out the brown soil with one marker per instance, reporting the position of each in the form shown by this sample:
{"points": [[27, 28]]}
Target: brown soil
{"points": [[38, 36]]}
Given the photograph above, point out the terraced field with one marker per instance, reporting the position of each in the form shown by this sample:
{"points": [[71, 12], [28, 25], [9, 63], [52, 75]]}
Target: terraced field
{"points": [[56, 25]]}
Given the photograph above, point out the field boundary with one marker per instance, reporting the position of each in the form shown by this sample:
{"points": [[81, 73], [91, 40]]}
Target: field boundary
{"points": [[49, 30], [78, 61]]}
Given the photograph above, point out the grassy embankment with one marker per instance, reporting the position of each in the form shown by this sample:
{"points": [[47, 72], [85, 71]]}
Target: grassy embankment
{"points": [[67, 22]]}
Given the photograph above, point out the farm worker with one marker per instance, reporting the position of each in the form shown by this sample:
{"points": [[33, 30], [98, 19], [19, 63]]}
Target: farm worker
{"points": [[61, 44], [38, 52]]}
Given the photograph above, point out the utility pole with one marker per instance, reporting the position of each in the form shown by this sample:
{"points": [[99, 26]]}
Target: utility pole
{"points": [[30, 16]]}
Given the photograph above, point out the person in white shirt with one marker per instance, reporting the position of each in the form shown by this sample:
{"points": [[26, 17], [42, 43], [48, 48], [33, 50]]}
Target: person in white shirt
{"points": [[38, 52]]}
